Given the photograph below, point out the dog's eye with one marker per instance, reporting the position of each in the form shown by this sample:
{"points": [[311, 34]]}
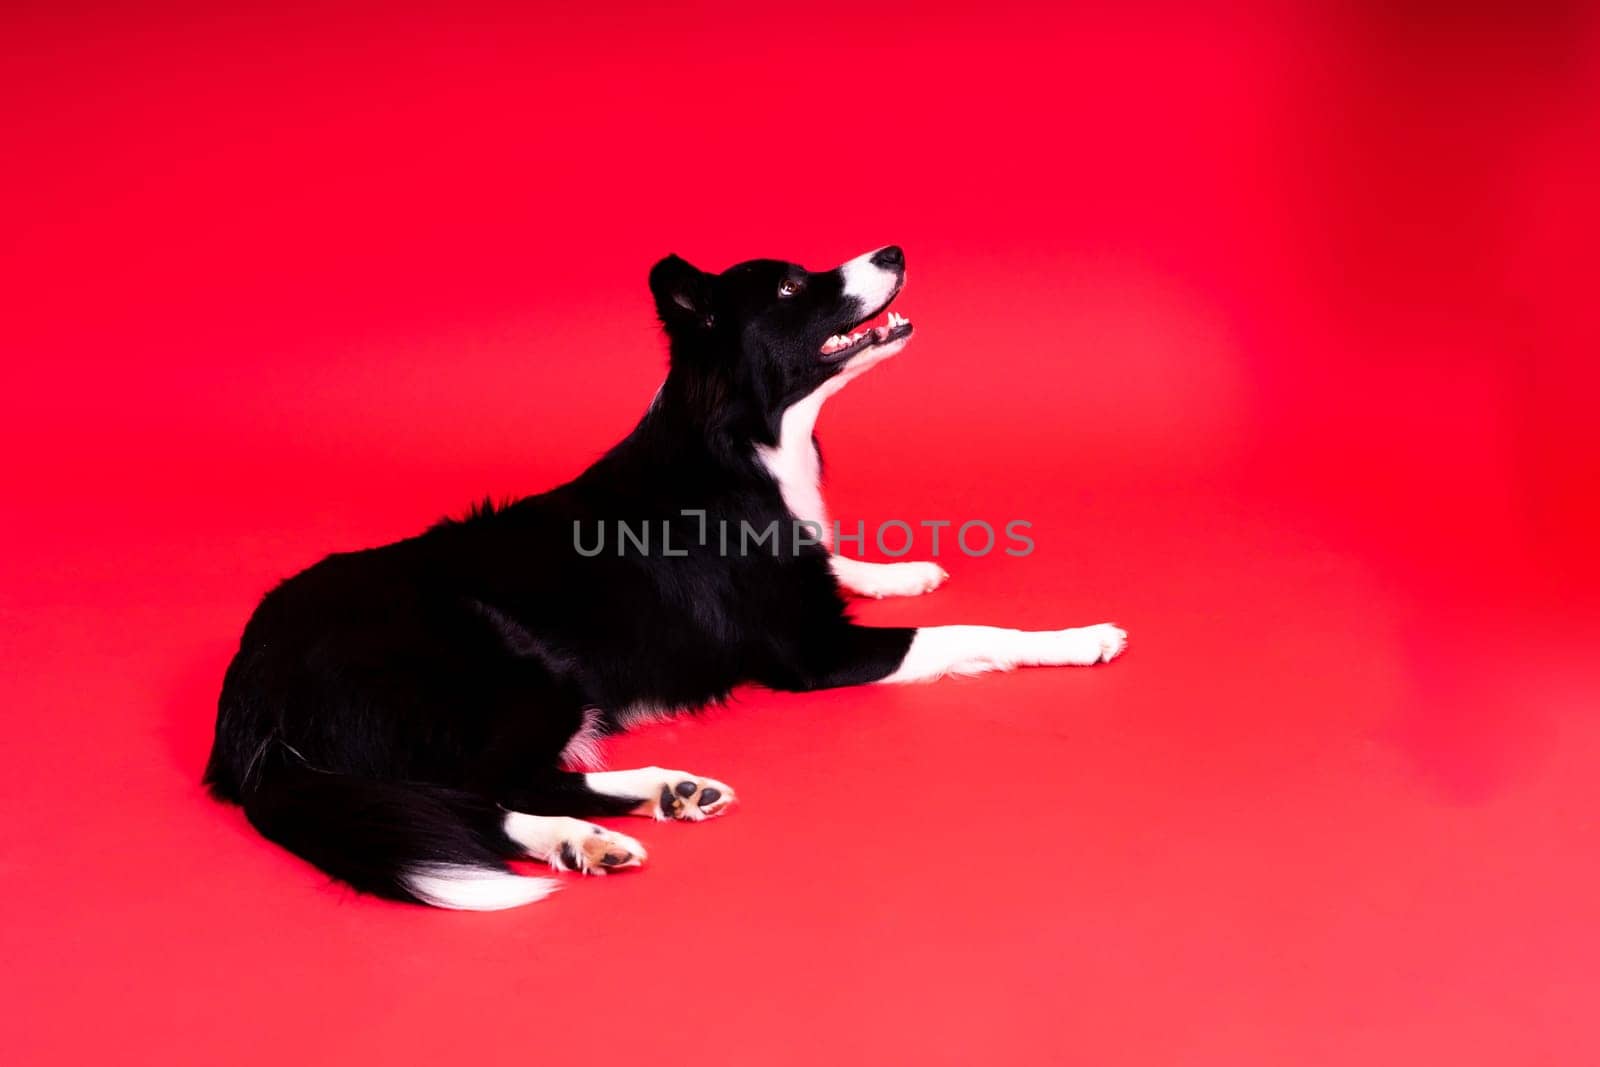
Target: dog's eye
{"points": [[790, 286]]}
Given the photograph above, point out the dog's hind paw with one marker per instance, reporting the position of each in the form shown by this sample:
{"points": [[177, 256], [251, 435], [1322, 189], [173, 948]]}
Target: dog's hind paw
{"points": [[689, 798], [573, 844], [666, 794], [598, 851]]}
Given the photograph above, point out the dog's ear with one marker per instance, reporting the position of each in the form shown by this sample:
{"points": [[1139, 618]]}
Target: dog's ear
{"points": [[683, 295]]}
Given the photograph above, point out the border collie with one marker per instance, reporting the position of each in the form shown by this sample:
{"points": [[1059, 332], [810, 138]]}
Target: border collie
{"points": [[411, 717]]}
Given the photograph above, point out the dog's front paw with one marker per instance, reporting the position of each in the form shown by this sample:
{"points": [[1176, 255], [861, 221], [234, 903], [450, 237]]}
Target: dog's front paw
{"points": [[878, 580], [1088, 645]]}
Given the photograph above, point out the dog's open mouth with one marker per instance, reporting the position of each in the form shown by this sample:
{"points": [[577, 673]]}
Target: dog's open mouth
{"points": [[842, 346]]}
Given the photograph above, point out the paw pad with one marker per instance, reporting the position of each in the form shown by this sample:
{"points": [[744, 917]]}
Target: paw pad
{"points": [[597, 851], [689, 799]]}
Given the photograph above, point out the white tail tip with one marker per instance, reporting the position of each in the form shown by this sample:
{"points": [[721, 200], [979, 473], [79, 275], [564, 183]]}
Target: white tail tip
{"points": [[465, 888]]}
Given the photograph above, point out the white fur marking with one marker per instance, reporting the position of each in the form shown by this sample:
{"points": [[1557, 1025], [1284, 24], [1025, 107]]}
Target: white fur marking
{"points": [[940, 650], [541, 835], [642, 782], [467, 888], [868, 282], [794, 463]]}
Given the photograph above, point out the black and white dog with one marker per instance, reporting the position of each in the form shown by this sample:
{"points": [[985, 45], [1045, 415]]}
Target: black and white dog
{"points": [[410, 717]]}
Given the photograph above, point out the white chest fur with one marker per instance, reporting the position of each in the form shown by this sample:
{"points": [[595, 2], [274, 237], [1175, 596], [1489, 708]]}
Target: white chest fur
{"points": [[795, 466]]}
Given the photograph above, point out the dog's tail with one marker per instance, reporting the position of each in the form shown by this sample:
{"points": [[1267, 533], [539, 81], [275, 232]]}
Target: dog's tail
{"points": [[401, 840]]}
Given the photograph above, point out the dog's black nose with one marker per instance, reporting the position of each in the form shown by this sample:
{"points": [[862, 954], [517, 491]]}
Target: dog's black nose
{"points": [[890, 258]]}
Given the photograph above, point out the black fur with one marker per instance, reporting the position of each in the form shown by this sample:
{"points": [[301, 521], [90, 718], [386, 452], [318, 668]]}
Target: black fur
{"points": [[385, 706]]}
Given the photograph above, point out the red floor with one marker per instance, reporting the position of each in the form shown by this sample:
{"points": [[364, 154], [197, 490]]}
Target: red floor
{"points": [[1280, 331]]}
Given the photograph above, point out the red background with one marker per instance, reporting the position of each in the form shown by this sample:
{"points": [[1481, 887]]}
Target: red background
{"points": [[1279, 328]]}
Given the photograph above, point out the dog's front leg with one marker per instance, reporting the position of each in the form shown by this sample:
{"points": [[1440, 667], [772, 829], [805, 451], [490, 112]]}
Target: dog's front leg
{"points": [[879, 580], [857, 655], [940, 650]]}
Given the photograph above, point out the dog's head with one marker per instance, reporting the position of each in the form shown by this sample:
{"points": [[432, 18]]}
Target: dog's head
{"points": [[763, 335]]}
